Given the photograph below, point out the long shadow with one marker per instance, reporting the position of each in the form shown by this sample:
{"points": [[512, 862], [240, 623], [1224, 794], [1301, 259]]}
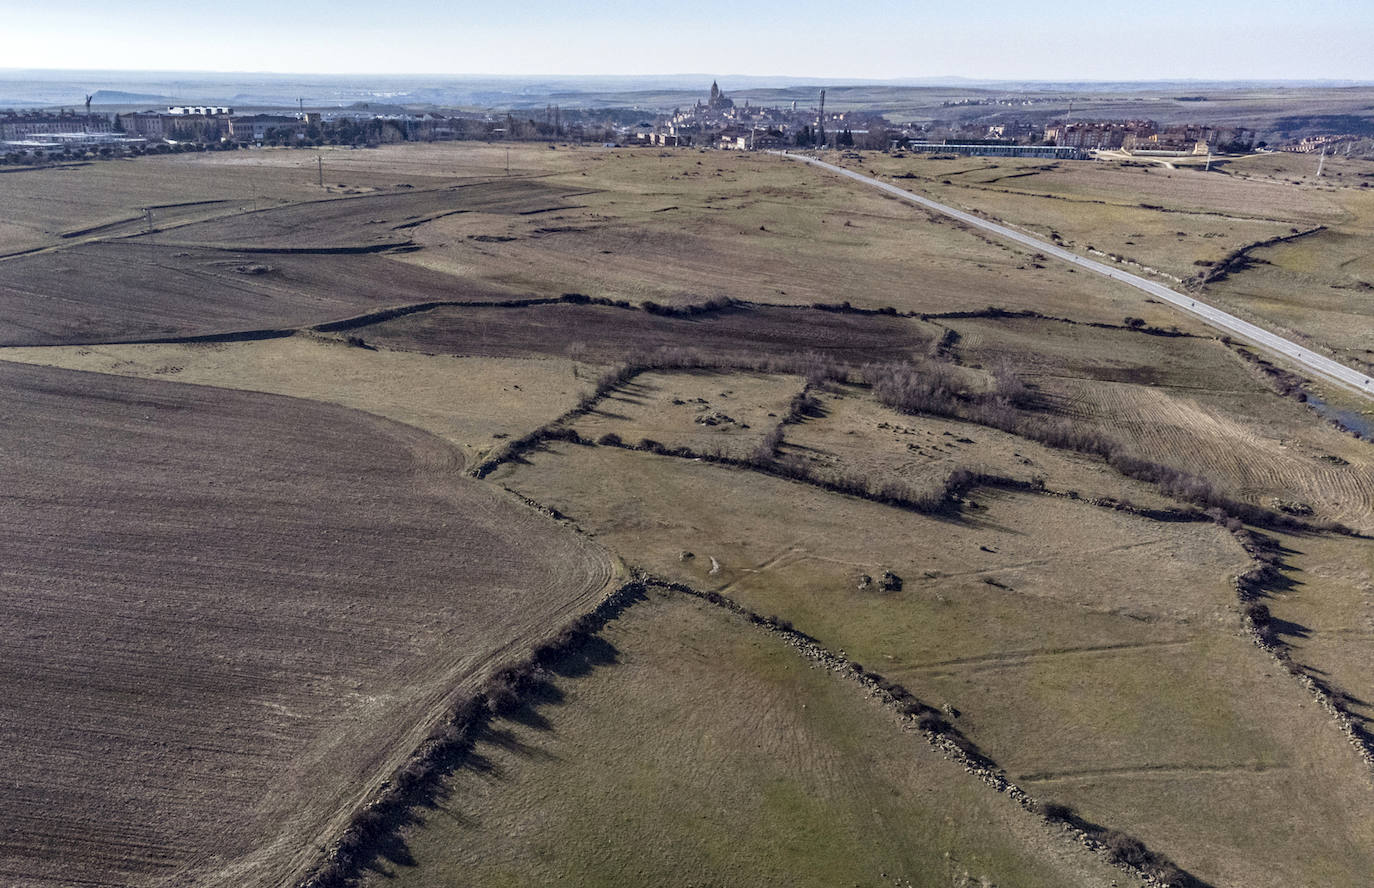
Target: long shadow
{"points": [[1122, 848], [1287, 629]]}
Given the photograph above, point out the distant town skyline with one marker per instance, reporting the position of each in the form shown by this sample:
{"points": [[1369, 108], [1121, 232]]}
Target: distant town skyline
{"points": [[880, 40]]}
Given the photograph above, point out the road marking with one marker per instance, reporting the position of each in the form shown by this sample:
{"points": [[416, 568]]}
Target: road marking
{"points": [[1213, 316]]}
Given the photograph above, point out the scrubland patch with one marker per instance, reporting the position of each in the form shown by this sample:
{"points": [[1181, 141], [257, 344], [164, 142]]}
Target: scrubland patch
{"points": [[680, 226], [854, 432], [1181, 222], [1321, 286], [1034, 347]]}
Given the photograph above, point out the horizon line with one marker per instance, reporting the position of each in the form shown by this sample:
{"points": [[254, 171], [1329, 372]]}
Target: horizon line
{"points": [[838, 80]]}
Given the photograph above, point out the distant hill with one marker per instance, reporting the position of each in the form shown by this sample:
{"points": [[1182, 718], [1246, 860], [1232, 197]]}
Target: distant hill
{"points": [[119, 97]]}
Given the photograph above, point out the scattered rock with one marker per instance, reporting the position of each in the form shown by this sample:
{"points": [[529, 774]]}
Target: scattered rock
{"points": [[684, 555], [865, 581], [715, 418], [1292, 507], [890, 582]]}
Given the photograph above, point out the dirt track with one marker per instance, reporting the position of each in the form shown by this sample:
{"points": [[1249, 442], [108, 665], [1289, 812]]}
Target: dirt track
{"points": [[224, 614]]}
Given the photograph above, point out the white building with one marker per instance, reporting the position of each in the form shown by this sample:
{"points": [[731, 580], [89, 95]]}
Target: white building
{"points": [[202, 110]]}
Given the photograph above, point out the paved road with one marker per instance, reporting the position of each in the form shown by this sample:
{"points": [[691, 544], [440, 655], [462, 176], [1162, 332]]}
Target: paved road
{"points": [[1228, 323]]}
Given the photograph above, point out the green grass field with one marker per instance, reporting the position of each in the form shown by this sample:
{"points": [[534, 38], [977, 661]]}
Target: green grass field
{"points": [[693, 749]]}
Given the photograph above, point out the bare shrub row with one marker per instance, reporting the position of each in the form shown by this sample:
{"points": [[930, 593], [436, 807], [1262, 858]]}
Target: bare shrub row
{"points": [[448, 745], [934, 388], [1123, 849], [1262, 579]]}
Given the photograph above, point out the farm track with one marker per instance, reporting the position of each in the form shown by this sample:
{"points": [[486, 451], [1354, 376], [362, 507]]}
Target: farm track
{"points": [[1020, 658], [1167, 772]]}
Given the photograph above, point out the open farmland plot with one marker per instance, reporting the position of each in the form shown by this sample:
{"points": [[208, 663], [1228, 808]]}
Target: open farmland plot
{"points": [[365, 222], [1187, 223], [606, 334], [45, 207], [1093, 654], [124, 291], [681, 226], [1163, 219], [778, 772], [473, 403], [226, 615], [54, 205]]}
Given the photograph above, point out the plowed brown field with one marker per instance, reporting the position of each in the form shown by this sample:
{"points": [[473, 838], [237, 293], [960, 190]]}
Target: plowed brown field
{"points": [[225, 615], [608, 334], [118, 291]]}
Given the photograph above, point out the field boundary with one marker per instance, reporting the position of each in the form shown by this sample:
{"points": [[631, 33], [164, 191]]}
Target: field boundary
{"points": [[1239, 258], [446, 747], [1263, 578]]}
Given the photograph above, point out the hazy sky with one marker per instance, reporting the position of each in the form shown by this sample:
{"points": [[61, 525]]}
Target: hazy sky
{"points": [[1042, 39]]}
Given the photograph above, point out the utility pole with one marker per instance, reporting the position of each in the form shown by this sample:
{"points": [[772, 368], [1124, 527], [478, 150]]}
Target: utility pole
{"points": [[148, 218], [319, 159], [301, 103], [507, 161], [88, 112]]}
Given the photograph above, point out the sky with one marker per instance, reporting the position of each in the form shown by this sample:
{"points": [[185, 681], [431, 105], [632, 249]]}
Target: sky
{"points": [[876, 39]]}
